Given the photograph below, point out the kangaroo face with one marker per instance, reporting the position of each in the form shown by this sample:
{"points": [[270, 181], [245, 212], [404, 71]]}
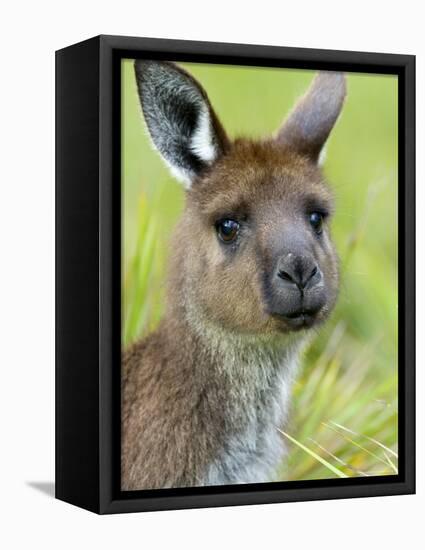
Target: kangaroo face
{"points": [[252, 251], [263, 259]]}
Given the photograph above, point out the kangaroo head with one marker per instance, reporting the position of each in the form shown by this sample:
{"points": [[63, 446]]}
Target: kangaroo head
{"points": [[252, 251]]}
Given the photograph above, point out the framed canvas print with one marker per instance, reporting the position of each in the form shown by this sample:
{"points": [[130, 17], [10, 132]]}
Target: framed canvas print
{"points": [[235, 274]]}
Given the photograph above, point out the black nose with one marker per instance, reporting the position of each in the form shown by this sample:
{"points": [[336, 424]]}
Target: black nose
{"points": [[301, 271]]}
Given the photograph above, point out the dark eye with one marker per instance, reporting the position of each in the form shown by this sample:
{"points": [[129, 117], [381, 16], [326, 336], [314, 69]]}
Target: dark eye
{"points": [[227, 230], [316, 221]]}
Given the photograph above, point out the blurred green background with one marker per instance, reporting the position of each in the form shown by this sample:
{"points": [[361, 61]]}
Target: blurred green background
{"points": [[344, 411]]}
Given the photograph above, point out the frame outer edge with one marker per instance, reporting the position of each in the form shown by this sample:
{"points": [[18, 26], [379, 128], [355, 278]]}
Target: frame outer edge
{"points": [[109, 500], [409, 267], [77, 358]]}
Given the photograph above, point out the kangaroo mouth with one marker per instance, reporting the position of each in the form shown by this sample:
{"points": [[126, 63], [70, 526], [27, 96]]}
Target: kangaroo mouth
{"points": [[302, 318]]}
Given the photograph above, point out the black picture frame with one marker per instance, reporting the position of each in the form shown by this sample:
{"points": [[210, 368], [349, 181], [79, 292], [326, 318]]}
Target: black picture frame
{"points": [[88, 225]]}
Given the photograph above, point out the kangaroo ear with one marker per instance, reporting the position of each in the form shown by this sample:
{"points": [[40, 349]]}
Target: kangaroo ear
{"points": [[309, 124], [181, 122]]}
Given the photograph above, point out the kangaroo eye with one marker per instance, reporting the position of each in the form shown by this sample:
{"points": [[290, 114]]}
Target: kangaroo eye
{"points": [[227, 230], [316, 222]]}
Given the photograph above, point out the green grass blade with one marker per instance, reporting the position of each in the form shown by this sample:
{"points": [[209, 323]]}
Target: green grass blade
{"points": [[320, 459], [373, 440], [352, 442]]}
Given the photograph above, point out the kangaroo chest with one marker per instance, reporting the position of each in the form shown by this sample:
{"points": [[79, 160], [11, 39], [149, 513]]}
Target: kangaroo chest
{"points": [[252, 448]]}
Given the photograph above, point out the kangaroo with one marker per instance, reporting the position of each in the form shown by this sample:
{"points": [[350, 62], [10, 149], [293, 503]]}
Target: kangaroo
{"points": [[252, 270]]}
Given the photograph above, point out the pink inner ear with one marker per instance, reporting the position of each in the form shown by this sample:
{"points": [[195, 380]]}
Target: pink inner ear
{"points": [[309, 124]]}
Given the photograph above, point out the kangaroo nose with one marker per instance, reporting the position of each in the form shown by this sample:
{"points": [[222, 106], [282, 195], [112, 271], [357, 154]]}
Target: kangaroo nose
{"points": [[299, 271]]}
